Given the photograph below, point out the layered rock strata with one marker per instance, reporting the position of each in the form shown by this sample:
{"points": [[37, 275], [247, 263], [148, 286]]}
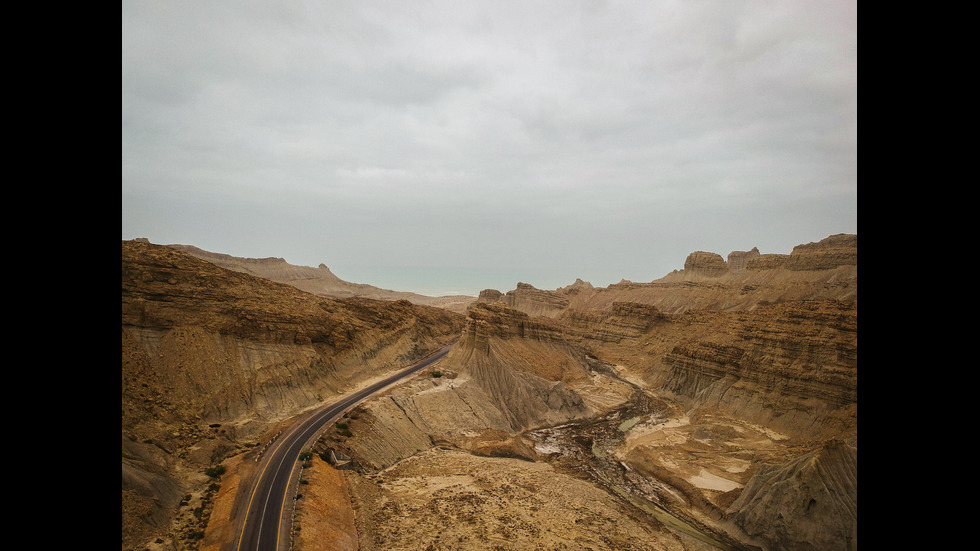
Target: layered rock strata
{"points": [[738, 260], [805, 504], [534, 301], [791, 366], [825, 270], [507, 372], [213, 358]]}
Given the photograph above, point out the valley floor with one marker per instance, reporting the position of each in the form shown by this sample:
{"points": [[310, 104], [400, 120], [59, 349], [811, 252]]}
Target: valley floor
{"points": [[603, 483]]}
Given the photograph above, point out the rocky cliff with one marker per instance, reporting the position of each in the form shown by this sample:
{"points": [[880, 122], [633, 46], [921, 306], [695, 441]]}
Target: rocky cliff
{"points": [[535, 302], [791, 366], [213, 358]]}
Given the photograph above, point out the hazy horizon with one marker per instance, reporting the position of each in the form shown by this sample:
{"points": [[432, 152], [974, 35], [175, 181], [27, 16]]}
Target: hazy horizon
{"points": [[438, 147]]}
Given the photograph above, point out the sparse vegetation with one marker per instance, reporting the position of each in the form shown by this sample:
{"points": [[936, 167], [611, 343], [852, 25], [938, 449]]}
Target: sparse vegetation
{"points": [[343, 429], [437, 374], [215, 471]]}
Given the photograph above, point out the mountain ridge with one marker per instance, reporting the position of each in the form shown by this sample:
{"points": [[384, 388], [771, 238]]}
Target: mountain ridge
{"points": [[826, 269], [320, 280]]}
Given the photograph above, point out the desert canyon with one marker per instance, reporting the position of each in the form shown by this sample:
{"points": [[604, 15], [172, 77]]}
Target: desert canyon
{"points": [[712, 408]]}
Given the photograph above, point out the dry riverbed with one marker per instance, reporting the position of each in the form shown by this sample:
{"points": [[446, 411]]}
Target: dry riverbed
{"points": [[605, 483]]}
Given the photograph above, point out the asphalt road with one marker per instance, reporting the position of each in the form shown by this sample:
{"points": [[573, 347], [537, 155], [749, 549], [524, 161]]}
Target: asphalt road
{"points": [[269, 508]]}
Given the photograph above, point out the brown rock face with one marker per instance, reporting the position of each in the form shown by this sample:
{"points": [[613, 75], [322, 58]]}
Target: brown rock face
{"points": [[825, 270], [792, 366], [737, 260], [767, 262], [832, 252], [624, 323], [808, 503], [705, 264], [535, 302], [490, 295]]}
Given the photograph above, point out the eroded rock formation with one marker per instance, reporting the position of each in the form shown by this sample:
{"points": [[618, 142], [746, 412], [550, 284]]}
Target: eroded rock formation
{"points": [[535, 302], [816, 271], [508, 372], [213, 358], [804, 504], [723, 395], [705, 264], [737, 260]]}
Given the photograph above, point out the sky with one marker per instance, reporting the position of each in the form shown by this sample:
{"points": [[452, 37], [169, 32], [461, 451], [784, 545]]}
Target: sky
{"points": [[447, 147]]}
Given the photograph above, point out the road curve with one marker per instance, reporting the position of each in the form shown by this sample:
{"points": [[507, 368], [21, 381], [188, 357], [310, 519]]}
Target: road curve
{"points": [[262, 528]]}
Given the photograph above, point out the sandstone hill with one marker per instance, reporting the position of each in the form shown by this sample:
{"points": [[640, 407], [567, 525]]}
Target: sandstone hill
{"points": [[212, 359], [320, 280], [815, 271]]}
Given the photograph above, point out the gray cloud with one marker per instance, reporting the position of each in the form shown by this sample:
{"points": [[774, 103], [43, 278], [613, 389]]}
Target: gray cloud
{"points": [[533, 141]]}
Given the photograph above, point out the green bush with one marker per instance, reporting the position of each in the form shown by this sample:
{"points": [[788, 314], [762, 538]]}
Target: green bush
{"points": [[437, 374]]}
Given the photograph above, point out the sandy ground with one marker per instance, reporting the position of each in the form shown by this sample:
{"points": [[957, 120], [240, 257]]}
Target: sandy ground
{"points": [[450, 499], [444, 498], [324, 513]]}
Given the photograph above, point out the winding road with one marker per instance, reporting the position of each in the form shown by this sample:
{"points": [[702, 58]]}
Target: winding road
{"points": [[269, 503]]}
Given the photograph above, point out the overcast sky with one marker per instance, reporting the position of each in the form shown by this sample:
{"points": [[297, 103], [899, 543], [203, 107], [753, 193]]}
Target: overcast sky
{"points": [[454, 146]]}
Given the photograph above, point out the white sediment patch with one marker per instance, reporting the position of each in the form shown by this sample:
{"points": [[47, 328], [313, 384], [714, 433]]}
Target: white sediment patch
{"points": [[547, 446], [655, 432], [626, 375], [709, 481]]}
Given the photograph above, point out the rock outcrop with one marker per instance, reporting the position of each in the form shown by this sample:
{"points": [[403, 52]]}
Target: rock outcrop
{"points": [[705, 264], [490, 295], [534, 301], [737, 260], [827, 254], [825, 270]]}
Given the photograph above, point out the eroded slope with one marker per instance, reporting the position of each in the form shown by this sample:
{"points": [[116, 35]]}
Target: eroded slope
{"points": [[213, 359], [694, 414]]}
